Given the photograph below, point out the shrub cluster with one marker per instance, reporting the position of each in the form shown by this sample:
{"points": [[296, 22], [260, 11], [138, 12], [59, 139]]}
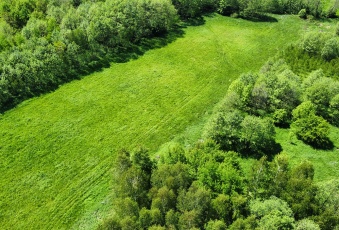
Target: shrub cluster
{"points": [[254, 102]]}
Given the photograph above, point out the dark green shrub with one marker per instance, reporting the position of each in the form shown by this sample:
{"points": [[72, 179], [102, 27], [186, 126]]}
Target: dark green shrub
{"points": [[313, 130], [302, 14]]}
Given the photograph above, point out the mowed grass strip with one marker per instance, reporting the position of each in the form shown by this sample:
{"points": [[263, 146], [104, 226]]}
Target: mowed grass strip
{"points": [[56, 151]]}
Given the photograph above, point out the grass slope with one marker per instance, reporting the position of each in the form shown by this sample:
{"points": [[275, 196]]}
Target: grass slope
{"points": [[56, 151]]}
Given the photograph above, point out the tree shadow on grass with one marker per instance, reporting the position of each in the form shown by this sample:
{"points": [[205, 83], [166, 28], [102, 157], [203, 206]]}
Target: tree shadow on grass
{"points": [[134, 51], [260, 18], [269, 151], [325, 144]]}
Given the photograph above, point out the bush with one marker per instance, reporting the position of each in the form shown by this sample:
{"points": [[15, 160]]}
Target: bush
{"points": [[331, 49], [281, 118], [302, 14], [313, 42], [313, 130]]}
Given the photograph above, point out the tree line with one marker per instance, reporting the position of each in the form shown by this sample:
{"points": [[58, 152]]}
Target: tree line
{"points": [[44, 43]]}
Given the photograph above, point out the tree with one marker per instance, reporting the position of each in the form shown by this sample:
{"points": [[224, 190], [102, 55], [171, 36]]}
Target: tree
{"points": [[215, 225], [222, 207], [140, 158], [306, 224], [257, 136], [331, 49], [313, 42], [313, 130], [227, 7], [145, 218], [304, 110], [175, 177], [225, 129], [328, 200], [188, 8], [320, 94], [189, 220], [302, 14], [273, 213], [172, 219], [164, 200], [17, 13], [300, 191], [196, 199]]}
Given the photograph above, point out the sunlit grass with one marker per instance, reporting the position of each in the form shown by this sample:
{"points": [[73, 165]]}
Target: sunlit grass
{"points": [[56, 151]]}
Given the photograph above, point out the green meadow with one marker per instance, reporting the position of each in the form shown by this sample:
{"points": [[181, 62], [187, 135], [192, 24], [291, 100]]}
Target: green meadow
{"points": [[56, 151]]}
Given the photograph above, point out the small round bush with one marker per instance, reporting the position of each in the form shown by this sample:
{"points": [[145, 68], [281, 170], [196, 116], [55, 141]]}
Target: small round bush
{"points": [[302, 14]]}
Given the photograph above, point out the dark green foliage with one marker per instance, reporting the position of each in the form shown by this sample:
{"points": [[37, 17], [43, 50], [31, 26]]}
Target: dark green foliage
{"points": [[334, 110], [17, 13], [140, 157], [248, 223], [145, 218], [300, 191], [196, 202], [302, 14], [164, 200], [172, 219], [217, 195], [268, 178], [222, 207], [188, 9]]}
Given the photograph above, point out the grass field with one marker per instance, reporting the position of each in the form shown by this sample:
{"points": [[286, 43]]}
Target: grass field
{"points": [[56, 151]]}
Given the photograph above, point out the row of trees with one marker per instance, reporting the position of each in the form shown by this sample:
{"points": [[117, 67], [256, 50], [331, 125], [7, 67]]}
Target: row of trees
{"points": [[205, 188], [255, 102], [52, 42], [248, 8]]}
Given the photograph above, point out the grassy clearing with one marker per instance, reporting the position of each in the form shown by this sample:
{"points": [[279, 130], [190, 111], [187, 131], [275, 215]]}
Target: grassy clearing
{"points": [[326, 163], [56, 150]]}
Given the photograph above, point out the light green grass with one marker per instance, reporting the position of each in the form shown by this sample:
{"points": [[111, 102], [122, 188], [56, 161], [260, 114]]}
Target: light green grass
{"points": [[56, 151], [326, 163]]}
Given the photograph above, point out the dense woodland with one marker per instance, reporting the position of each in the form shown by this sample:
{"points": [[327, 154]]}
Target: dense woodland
{"points": [[46, 43]]}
